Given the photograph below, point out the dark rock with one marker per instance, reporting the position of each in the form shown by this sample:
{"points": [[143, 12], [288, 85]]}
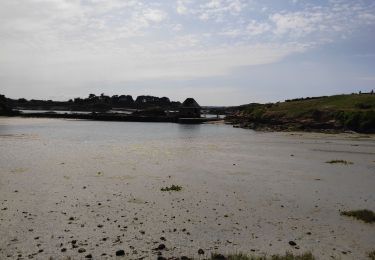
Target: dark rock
{"points": [[63, 249], [89, 256], [162, 238], [292, 243], [200, 251], [120, 252], [81, 250], [160, 247], [161, 258], [218, 257]]}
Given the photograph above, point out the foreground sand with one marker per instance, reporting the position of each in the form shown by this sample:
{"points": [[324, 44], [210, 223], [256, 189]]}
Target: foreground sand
{"points": [[252, 193]]}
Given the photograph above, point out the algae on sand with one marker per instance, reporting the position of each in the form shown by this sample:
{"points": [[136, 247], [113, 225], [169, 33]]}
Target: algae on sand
{"points": [[339, 161], [365, 215], [172, 188]]}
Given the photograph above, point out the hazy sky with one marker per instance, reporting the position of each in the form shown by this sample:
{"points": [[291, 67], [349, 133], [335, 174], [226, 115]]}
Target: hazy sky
{"points": [[221, 52]]}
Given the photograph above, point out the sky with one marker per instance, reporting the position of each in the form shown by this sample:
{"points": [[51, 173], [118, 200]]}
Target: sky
{"points": [[221, 52]]}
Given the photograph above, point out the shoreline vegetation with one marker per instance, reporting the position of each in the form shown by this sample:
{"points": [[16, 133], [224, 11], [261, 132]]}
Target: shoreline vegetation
{"points": [[353, 112], [329, 114]]}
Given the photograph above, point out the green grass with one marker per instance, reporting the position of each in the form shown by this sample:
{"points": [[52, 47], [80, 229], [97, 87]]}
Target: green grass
{"points": [[240, 256], [365, 215], [172, 188], [339, 161], [355, 112]]}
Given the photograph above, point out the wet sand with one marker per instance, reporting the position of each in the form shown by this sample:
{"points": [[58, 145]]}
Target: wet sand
{"points": [[64, 191]]}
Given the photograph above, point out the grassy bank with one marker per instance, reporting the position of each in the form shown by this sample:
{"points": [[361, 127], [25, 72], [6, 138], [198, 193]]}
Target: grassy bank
{"points": [[354, 112]]}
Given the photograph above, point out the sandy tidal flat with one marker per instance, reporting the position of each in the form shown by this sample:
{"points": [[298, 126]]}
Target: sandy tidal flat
{"points": [[81, 188]]}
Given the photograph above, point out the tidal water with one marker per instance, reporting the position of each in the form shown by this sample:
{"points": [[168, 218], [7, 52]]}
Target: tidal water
{"points": [[119, 132]]}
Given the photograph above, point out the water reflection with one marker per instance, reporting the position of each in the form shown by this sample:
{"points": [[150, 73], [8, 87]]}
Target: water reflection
{"points": [[189, 131]]}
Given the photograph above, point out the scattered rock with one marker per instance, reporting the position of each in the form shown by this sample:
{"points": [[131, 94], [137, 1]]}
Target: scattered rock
{"points": [[292, 243], [200, 251]]}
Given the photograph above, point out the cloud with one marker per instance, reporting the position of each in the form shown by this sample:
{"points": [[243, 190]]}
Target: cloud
{"points": [[79, 42], [217, 9], [338, 19], [181, 6], [256, 28], [154, 15]]}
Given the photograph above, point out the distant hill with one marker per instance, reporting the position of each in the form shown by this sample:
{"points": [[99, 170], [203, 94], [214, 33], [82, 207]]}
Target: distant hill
{"points": [[354, 112]]}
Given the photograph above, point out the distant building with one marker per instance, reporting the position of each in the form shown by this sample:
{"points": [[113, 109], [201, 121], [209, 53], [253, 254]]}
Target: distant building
{"points": [[190, 109]]}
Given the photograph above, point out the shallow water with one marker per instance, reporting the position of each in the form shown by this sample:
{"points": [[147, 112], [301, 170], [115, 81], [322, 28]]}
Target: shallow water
{"points": [[242, 190]]}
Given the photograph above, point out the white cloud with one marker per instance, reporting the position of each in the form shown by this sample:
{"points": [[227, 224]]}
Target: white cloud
{"points": [[255, 28], [217, 9], [181, 6], [154, 15], [336, 20]]}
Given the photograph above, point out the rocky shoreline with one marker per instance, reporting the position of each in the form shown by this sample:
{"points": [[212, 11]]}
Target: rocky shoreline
{"points": [[287, 126]]}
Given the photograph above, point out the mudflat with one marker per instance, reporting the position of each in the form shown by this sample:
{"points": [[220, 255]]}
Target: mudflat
{"points": [[71, 188]]}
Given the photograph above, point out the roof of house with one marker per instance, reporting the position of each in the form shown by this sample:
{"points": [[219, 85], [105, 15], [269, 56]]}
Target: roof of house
{"points": [[190, 102]]}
